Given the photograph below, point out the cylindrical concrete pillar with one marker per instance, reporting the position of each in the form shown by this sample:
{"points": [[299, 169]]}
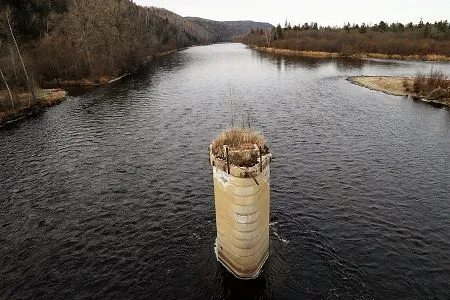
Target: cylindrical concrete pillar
{"points": [[242, 203]]}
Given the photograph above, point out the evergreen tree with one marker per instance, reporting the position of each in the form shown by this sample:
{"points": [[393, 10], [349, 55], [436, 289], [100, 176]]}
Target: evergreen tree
{"points": [[279, 32]]}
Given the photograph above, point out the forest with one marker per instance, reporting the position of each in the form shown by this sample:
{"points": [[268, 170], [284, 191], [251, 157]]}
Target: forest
{"points": [[405, 40]]}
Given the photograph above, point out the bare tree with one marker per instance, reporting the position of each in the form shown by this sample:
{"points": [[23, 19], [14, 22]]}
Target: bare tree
{"points": [[7, 14], [7, 87], [269, 35], [13, 61]]}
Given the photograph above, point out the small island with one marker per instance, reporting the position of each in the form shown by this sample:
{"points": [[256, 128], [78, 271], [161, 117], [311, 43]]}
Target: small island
{"points": [[434, 88]]}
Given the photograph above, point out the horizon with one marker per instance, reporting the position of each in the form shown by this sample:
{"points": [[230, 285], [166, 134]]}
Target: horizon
{"points": [[335, 14]]}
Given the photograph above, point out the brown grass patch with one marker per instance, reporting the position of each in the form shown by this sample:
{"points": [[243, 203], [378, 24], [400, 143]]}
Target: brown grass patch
{"points": [[241, 144]]}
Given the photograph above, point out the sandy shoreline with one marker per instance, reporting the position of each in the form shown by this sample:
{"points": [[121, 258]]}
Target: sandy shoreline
{"points": [[393, 86], [322, 54], [318, 54]]}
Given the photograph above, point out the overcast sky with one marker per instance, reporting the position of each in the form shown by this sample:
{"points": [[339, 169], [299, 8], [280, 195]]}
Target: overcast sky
{"points": [[324, 12]]}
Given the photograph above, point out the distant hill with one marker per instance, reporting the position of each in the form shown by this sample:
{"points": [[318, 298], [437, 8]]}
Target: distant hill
{"points": [[195, 32], [223, 31]]}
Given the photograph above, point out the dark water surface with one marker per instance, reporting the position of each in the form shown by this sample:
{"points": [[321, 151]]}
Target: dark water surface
{"points": [[109, 194]]}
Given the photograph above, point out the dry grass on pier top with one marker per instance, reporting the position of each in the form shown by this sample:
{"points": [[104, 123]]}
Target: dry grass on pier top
{"points": [[241, 144]]}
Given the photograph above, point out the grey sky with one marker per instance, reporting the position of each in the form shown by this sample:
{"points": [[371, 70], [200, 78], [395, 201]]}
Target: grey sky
{"points": [[324, 12]]}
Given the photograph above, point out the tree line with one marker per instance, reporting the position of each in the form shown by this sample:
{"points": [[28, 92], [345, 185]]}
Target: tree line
{"points": [[396, 38]]}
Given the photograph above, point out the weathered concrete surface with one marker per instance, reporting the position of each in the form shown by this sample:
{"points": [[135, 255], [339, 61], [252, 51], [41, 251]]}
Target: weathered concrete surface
{"points": [[242, 218]]}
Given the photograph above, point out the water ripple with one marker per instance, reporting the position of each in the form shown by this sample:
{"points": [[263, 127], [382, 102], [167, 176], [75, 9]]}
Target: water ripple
{"points": [[109, 194]]}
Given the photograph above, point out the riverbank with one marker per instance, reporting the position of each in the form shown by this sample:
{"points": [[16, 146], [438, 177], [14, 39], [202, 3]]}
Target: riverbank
{"points": [[324, 54], [44, 98], [317, 54], [52, 94], [101, 80], [396, 86]]}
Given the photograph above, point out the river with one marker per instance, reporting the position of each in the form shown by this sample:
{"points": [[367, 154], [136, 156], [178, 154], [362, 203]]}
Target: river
{"points": [[109, 194]]}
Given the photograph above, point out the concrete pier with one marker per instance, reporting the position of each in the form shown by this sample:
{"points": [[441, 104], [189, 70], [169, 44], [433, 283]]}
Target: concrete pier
{"points": [[242, 203]]}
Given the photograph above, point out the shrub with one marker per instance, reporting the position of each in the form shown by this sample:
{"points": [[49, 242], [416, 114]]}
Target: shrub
{"points": [[436, 85]]}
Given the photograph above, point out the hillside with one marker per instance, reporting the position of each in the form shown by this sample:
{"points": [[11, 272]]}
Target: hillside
{"points": [[66, 40], [224, 31]]}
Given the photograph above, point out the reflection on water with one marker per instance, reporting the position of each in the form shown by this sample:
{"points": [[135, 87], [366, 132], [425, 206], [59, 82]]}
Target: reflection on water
{"points": [[109, 194], [350, 64], [229, 286]]}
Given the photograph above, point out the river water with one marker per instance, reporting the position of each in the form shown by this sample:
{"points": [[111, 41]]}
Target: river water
{"points": [[109, 194]]}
